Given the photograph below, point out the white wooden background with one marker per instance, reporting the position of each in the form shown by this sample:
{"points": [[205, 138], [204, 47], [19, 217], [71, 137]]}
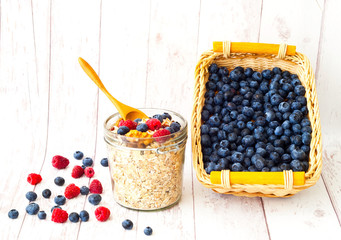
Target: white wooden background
{"points": [[145, 52]]}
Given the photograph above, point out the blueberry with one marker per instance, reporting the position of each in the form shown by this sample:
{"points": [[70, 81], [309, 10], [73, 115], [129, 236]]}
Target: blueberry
{"points": [[213, 68], [284, 107], [248, 140], [148, 231], [306, 138], [264, 86], [60, 200], [275, 169], [237, 157], [252, 168], [250, 125], [84, 216], [258, 161], [32, 209], [305, 148], [223, 152], [267, 74], [159, 117], [236, 75], [221, 135], [214, 121], [78, 155], [274, 156], [306, 129], [296, 106], [222, 71], [42, 215], [248, 72], [142, 127], [214, 157], [296, 128], [123, 130], [127, 224], [224, 143], [278, 131], [287, 87], [299, 90], [166, 115], [286, 158], [277, 70], [304, 110], [104, 162], [248, 111], [257, 76], [261, 151], [214, 77], [46, 193], [232, 137], [296, 165], [288, 132], [302, 100], [55, 207], [31, 196], [298, 154], [296, 117], [87, 162], [210, 168], [286, 124], [284, 166], [84, 190], [260, 121], [137, 120], [13, 214], [237, 167], [74, 217], [218, 99], [270, 115], [297, 140], [276, 99], [59, 181], [95, 199]]}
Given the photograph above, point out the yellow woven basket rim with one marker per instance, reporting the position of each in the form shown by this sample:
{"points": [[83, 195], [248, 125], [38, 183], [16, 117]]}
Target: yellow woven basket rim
{"points": [[298, 64]]}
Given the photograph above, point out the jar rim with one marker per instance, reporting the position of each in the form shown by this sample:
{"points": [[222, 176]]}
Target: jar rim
{"points": [[174, 137]]}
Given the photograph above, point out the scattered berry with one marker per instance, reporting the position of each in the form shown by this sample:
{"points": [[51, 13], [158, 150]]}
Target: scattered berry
{"points": [[84, 190], [13, 214], [127, 224], [55, 207], [128, 123], [41, 215], [123, 130], [95, 199], [77, 171], [60, 162], [59, 181], [31, 196], [84, 216], [142, 127], [60, 200], [74, 217], [89, 172], [160, 135], [32, 208], [34, 178], [59, 215], [153, 124], [148, 231], [96, 187], [102, 214], [104, 162], [71, 191], [87, 162], [78, 155], [46, 193]]}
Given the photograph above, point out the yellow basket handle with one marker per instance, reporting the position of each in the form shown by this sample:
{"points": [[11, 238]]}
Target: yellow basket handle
{"points": [[259, 48]]}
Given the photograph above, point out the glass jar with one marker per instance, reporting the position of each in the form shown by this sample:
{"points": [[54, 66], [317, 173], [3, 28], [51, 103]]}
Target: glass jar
{"points": [[146, 173]]}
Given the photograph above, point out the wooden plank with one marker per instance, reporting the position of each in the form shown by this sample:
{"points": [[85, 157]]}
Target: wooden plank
{"points": [[123, 60], [24, 104], [72, 109], [287, 22], [223, 215]]}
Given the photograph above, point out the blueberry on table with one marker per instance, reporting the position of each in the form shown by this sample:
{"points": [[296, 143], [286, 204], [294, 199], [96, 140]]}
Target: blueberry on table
{"points": [[127, 224], [84, 190], [41, 215], [148, 231], [104, 162], [31, 196], [84, 216], [32, 209], [87, 162], [60, 200], [74, 217], [46, 193], [95, 199], [78, 155], [13, 214], [59, 181]]}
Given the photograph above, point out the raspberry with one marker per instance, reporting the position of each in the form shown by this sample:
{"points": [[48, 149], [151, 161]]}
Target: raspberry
{"points": [[34, 178], [160, 135], [102, 214], [128, 123], [153, 124], [59, 215], [77, 171], [96, 187], [89, 172], [71, 191], [60, 162]]}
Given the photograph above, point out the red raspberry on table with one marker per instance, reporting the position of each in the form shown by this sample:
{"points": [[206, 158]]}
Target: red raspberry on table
{"points": [[102, 214], [96, 187], [71, 191], [60, 162], [159, 135], [153, 124], [34, 178], [59, 215], [89, 172], [77, 171], [128, 123]]}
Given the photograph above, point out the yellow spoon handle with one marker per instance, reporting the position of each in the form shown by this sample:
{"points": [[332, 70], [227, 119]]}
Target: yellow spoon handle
{"points": [[95, 78]]}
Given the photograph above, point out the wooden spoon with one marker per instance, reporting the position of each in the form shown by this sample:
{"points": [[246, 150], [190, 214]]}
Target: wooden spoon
{"points": [[125, 111]]}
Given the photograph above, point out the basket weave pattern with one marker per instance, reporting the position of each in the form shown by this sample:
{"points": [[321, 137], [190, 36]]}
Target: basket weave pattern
{"points": [[298, 64]]}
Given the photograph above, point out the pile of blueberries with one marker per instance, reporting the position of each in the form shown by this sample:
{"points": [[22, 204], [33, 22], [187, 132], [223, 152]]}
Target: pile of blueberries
{"points": [[254, 121]]}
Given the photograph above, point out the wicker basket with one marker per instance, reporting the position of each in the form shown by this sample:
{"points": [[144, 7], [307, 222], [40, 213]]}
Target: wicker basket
{"points": [[259, 57]]}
